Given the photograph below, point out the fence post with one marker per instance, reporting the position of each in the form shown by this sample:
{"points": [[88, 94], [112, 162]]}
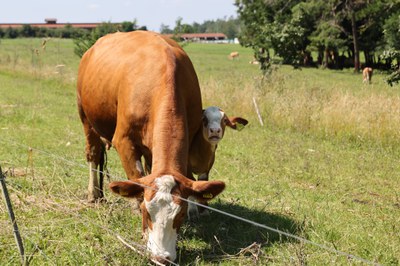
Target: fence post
{"points": [[258, 112], [17, 235]]}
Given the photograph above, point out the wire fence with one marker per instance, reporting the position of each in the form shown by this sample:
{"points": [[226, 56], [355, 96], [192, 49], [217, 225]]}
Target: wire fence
{"points": [[142, 249]]}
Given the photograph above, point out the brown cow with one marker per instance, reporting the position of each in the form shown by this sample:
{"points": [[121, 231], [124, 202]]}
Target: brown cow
{"points": [[234, 55], [367, 74], [204, 145], [140, 92]]}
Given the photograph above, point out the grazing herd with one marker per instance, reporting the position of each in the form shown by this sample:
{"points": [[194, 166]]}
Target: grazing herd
{"points": [[139, 92]]}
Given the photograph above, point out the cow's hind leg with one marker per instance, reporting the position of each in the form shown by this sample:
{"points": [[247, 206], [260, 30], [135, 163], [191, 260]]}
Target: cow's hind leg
{"points": [[94, 155]]}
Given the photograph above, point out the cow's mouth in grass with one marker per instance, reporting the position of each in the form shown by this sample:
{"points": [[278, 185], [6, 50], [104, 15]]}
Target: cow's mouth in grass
{"points": [[214, 138]]}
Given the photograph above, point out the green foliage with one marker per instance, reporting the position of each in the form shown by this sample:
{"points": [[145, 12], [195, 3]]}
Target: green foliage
{"points": [[230, 27], [267, 26], [82, 44], [392, 56], [295, 28], [11, 33], [392, 31]]}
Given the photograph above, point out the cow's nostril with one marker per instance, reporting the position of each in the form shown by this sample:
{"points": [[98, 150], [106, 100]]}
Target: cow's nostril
{"points": [[215, 130]]}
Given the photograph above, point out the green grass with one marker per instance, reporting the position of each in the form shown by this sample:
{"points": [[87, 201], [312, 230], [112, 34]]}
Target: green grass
{"points": [[324, 167]]}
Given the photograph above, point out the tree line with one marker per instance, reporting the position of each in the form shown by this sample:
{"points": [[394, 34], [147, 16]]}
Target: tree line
{"points": [[229, 26], [84, 38], [336, 32], [28, 31]]}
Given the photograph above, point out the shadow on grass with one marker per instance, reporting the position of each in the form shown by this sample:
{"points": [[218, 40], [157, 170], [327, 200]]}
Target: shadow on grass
{"points": [[219, 235]]}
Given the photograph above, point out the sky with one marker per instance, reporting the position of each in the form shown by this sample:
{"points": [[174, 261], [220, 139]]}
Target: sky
{"points": [[150, 13]]}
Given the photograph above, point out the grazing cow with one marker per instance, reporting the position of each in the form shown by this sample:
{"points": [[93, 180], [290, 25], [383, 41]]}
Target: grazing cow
{"points": [[139, 91], [234, 55], [367, 74]]}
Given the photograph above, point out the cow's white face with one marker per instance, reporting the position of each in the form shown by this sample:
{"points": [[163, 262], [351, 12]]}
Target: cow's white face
{"points": [[213, 124], [164, 207], [162, 210]]}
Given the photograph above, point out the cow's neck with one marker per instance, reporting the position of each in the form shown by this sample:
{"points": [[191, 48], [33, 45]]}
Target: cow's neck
{"points": [[202, 151], [170, 137]]}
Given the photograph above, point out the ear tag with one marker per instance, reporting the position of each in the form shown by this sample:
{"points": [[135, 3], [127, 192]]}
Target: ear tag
{"points": [[239, 127], [208, 196]]}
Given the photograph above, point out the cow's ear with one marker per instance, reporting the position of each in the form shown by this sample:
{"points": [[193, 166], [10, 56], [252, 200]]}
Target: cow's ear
{"points": [[206, 190], [236, 122], [127, 189]]}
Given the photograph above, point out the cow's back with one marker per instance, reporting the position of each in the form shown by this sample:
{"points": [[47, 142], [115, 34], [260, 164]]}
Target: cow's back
{"points": [[127, 71]]}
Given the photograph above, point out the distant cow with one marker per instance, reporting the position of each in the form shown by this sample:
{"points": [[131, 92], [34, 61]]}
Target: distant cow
{"points": [[254, 62], [139, 91], [234, 55], [367, 74]]}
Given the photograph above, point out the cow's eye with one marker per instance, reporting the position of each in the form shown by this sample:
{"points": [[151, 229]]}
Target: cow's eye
{"points": [[205, 121]]}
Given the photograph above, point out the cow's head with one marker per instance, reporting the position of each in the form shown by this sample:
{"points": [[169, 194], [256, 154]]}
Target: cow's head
{"points": [[214, 122], [163, 207]]}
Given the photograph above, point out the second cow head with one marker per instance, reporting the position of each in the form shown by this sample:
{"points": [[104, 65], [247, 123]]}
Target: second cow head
{"points": [[214, 122]]}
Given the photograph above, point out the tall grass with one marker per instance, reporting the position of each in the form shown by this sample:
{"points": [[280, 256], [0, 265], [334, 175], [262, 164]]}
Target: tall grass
{"points": [[359, 113]]}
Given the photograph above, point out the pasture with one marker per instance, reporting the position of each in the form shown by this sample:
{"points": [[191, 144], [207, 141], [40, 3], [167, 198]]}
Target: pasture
{"points": [[324, 167]]}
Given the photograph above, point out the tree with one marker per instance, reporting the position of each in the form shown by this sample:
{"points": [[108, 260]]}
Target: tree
{"points": [[181, 27], [27, 31], [82, 44], [10, 33], [293, 28], [277, 25], [127, 26], [392, 52], [164, 29]]}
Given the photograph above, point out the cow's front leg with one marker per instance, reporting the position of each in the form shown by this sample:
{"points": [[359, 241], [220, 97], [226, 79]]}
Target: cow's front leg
{"points": [[130, 158]]}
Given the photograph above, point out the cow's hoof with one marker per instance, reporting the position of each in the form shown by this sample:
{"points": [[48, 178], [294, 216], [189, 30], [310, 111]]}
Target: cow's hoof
{"points": [[96, 200]]}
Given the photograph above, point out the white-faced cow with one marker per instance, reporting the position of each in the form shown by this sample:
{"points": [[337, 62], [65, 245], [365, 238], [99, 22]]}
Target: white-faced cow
{"points": [[204, 145], [139, 91]]}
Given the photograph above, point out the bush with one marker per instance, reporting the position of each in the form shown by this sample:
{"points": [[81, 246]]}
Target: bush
{"points": [[83, 43]]}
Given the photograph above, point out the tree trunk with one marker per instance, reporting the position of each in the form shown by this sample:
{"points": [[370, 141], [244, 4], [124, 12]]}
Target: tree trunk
{"points": [[355, 42], [326, 61]]}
